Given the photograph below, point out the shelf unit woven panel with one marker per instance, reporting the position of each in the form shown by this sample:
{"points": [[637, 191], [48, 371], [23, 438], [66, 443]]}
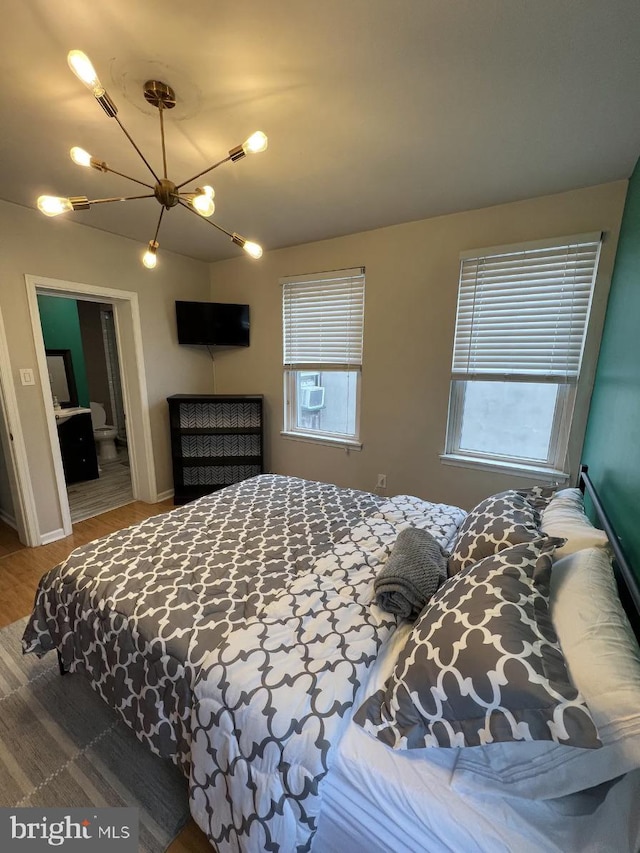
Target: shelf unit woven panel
{"points": [[220, 445], [219, 475], [215, 441], [222, 415]]}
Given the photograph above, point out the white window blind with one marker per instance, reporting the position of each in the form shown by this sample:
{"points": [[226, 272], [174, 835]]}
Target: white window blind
{"points": [[323, 320], [523, 312]]}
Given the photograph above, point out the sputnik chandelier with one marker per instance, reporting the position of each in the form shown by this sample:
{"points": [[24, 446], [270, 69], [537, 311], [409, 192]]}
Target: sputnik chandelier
{"points": [[166, 192]]}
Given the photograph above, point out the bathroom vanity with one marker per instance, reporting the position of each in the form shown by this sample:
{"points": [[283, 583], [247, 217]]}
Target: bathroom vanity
{"points": [[75, 432]]}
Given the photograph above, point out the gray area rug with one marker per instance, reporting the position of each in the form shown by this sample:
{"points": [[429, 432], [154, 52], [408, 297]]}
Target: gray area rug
{"points": [[61, 745]]}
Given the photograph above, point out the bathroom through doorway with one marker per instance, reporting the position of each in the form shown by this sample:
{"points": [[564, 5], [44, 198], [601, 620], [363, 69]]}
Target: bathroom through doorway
{"points": [[86, 389]]}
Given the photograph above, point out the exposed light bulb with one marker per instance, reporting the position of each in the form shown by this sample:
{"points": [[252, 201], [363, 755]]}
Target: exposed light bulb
{"points": [[80, 156], [81, 66], [256, 143], [52, 205], [204, 205], [149, 258], [253, 249], [203, 201]]}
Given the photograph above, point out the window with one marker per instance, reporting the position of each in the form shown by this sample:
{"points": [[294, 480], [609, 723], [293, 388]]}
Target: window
{"points": [[323, 321], [520, 331]]}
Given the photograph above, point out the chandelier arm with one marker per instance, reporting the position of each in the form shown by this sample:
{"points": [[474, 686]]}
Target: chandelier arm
{"points": [[204, 172], [143, 158], [119, 198], [105, 168], [155, 238], [164, 150], [210, 221]]}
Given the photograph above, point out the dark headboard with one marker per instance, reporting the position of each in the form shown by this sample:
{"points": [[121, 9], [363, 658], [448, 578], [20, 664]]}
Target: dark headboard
{"points": [[628, 584]]}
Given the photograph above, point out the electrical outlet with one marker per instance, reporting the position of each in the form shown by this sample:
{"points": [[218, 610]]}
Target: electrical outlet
{"points": [[382, 481]]}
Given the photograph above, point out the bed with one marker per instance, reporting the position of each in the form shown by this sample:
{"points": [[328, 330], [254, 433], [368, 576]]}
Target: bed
{"points": [[237, 637]]}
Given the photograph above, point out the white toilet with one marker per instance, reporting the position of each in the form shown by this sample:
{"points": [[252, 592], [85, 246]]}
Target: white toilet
{"points": [[103, 433]]}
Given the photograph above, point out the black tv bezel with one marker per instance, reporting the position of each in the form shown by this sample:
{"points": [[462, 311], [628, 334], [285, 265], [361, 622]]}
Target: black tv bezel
{"points": [[213, 343]]}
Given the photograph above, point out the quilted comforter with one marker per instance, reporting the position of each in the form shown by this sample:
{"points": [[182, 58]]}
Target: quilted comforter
{"points": [[231, 635]]}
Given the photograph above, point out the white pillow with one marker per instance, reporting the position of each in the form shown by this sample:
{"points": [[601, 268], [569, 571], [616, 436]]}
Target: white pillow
{"points": [[565, 517], [599, 645], [603, 660]]}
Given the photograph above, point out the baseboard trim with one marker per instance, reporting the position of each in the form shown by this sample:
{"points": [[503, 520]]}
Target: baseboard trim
{"points": [[164, 496], [8, 519], [52, 536]]}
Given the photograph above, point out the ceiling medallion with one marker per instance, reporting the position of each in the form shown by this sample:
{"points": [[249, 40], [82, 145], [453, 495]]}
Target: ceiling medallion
{"points": [[166, 192]]}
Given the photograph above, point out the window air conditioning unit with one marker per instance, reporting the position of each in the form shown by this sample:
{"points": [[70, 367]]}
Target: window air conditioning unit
{"points": [[312, 399]]}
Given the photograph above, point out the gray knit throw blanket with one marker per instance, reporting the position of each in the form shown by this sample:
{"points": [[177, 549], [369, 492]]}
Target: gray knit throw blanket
{"points": [[415, 569]]}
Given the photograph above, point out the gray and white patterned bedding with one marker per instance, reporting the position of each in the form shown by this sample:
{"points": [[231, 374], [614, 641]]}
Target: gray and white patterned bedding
{"points": [[231, 635], [272, 700], [139, 610]]}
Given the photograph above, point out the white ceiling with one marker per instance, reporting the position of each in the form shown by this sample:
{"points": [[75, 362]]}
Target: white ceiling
{"points": [[377, 111]]}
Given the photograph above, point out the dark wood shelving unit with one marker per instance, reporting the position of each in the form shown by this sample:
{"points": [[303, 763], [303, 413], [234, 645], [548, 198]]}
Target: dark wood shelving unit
{"points": [[216, 440]]}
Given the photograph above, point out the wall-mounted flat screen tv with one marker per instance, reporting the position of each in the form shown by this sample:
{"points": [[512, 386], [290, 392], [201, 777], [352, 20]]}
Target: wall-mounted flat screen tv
{"points": [[219, 324]]}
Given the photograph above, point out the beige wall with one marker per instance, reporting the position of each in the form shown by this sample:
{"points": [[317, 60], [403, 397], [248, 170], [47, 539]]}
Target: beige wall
{"points": [[65, 250], [410, 306]]}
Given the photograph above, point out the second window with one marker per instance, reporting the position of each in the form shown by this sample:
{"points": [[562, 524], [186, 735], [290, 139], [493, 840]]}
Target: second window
{"points": [[323, 325]]}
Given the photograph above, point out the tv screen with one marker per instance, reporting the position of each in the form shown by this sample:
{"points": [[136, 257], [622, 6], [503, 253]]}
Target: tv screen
{"points": [[220, 324]]}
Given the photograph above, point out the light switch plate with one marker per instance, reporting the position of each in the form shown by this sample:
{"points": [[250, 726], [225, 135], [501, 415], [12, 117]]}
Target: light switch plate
{"points": [[26, 376]]}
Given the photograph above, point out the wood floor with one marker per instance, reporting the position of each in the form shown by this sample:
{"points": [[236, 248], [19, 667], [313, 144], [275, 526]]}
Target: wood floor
{"points": [[9, 541], [21, 568], [112, 489]]}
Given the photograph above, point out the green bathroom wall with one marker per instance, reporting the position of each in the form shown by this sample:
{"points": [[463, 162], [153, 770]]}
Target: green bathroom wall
{"points": [[61, 330], [612, 441]]}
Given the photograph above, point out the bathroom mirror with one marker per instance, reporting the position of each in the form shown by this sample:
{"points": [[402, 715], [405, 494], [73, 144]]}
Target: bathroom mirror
{"points": [[61, 377]]}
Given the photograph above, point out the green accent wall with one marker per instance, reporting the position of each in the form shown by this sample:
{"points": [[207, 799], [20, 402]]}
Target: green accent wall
{"points": [[612, 442], [61, 330]]}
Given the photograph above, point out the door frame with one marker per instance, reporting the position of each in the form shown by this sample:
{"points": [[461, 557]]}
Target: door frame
{"points": [[24, 506], [126, 311]]}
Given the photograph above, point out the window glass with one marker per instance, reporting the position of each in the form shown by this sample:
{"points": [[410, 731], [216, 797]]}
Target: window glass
{"points": [[508, 418], [325, 401]]}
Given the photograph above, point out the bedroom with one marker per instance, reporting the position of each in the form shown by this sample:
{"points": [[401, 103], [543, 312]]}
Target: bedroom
{"points": [[578, 151]]}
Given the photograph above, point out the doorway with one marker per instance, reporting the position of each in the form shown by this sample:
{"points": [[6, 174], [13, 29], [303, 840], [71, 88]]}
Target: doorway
{"points": [[9, 539], [128, 382], [17, 505], [85, 381]]}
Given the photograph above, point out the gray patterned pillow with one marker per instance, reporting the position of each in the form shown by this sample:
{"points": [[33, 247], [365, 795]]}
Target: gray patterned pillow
{"points": [[538, 496], [483, 664], [498, 522]]}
